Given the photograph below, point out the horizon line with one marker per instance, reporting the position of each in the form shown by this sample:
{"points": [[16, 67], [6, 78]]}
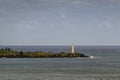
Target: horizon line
{"points": [[60, 45]]}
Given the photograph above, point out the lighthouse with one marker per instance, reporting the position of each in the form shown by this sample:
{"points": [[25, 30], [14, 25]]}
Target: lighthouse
{"points": [[73, 49]]}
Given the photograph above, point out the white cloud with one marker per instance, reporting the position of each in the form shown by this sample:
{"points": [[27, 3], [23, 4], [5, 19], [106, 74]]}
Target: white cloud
{"points": [[24, 24], [85, 2], [109, 22]]}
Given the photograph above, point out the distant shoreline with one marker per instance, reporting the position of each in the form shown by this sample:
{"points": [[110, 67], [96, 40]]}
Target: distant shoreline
{"points": [[9, 53]]}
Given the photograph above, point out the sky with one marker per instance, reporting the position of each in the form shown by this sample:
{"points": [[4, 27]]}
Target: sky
{"points": [[60, 22]]}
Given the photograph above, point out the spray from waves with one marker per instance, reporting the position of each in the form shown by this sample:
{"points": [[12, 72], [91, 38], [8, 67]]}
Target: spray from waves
{"points": [[92, 57]]}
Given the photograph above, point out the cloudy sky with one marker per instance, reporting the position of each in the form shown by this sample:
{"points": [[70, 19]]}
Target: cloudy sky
{"points": [[59, 22]]}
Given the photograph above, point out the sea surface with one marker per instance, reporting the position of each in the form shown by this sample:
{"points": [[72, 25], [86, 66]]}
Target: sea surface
{"points": [[104, 65]]}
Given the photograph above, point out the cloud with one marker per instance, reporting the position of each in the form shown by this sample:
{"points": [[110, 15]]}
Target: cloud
{"points": [[109, 21], [46, 4], [50, 11], [84, 2], [25, 25], [114, 1]]}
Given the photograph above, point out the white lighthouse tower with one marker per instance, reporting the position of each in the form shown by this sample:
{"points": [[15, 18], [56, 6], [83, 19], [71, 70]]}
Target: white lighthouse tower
{"points": [[73, 49]]}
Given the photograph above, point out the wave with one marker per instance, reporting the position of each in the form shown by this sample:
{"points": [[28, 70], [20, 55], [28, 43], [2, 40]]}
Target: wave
{"points": [[92, 57]]}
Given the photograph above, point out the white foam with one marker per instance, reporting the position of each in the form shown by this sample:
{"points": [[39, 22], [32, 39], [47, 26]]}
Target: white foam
{"points": [[92, 57]]}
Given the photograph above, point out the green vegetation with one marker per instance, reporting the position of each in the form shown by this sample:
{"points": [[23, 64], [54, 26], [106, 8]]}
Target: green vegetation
{"points": [[8, 53]]}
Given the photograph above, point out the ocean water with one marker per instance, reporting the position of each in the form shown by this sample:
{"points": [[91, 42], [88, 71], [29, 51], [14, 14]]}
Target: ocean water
{"points": [[105, 64]]}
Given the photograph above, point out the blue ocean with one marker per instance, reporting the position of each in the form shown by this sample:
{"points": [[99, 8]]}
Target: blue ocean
{"points": [[104, 65]]}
